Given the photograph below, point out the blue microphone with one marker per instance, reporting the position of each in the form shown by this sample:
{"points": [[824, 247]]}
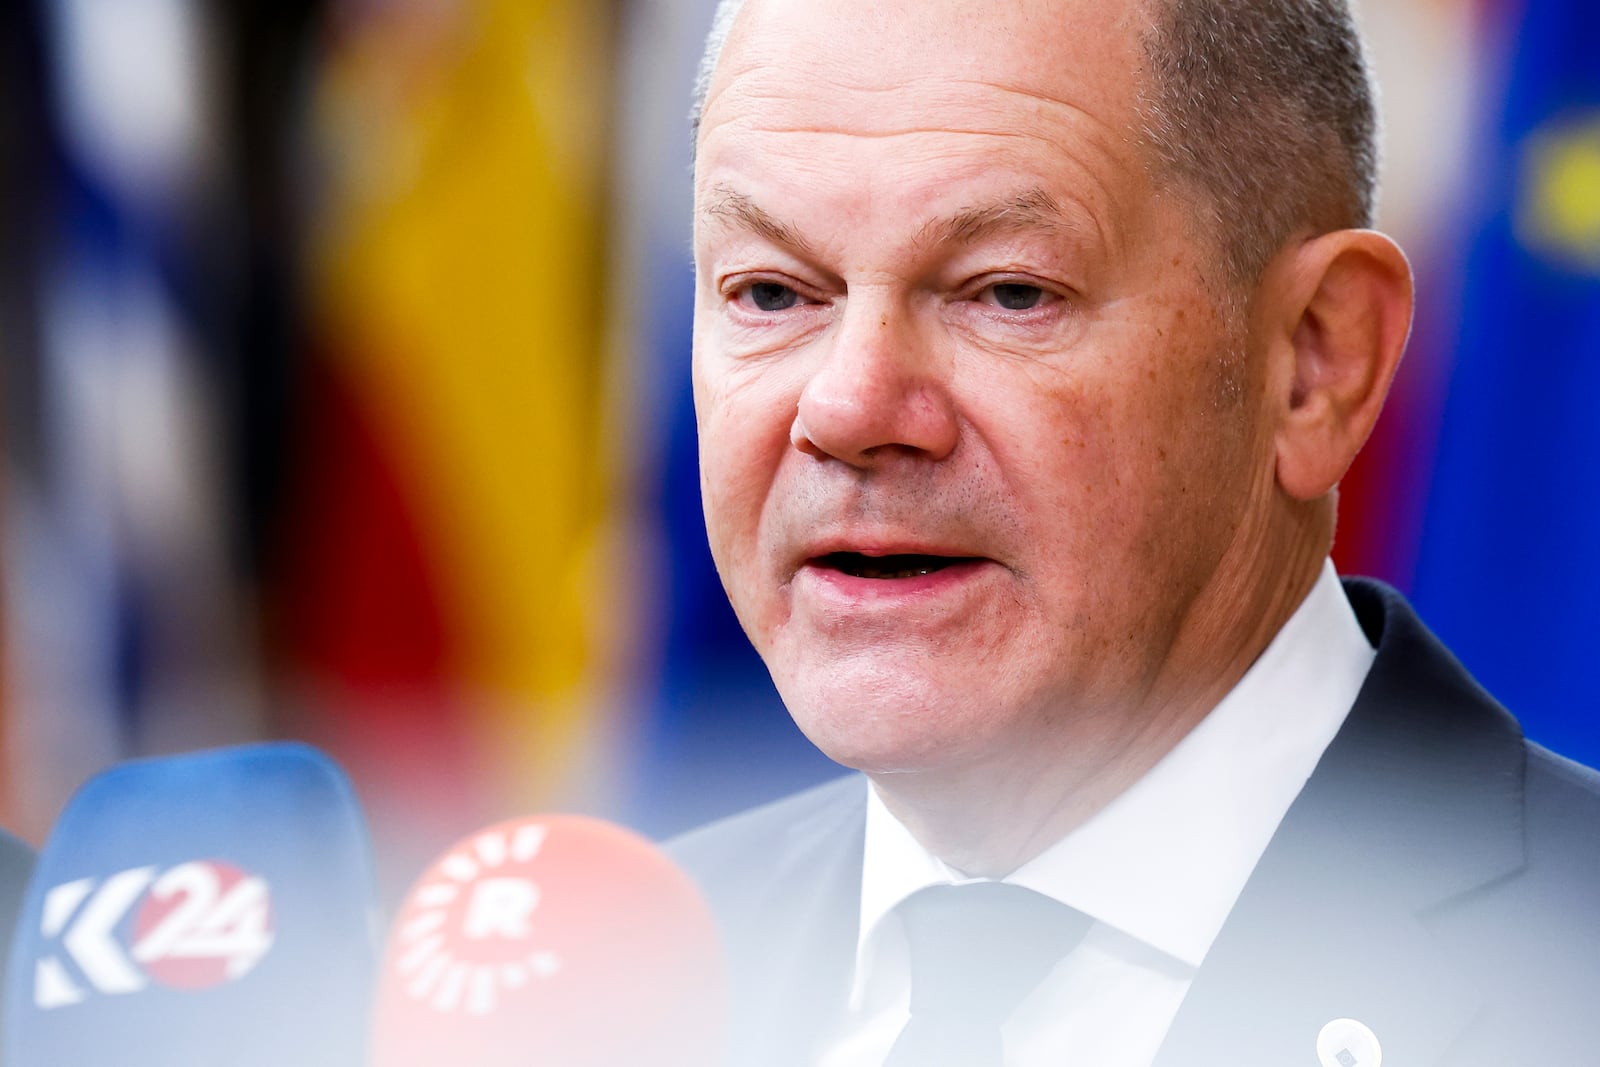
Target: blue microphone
{"points": [[196, 910]]}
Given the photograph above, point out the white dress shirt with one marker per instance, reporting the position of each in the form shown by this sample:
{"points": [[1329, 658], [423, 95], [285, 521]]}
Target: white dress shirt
{"points": [[1158, 869]]}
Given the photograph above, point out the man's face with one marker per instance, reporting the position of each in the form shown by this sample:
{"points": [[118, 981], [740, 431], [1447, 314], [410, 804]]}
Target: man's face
{"points": [[978, 449]]}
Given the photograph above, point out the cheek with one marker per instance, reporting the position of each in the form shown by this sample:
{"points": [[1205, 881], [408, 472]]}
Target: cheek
{"points": [[1060, 451], [1125, 468], [744, 435], [1181, 478]]}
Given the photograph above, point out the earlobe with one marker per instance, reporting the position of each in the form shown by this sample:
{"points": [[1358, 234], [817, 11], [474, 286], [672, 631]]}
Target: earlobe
{"points": [[1348, 301]]}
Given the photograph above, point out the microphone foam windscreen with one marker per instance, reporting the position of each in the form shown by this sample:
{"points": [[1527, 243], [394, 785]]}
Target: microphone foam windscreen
{"points": [[557, 940], [205, 909]]}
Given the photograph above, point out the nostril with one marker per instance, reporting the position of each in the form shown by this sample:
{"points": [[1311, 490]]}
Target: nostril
{"points": [[801, 438]]}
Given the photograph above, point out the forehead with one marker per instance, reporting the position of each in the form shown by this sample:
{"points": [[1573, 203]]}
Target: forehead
{"points": [[844, 96], [1045, 48]]}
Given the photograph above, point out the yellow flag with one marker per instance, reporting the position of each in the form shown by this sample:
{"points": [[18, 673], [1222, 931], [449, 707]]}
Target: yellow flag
{"points": [[461, 285]]}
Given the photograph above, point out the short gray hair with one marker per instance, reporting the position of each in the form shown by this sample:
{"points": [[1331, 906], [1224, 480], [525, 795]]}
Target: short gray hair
{"points": [[1267, 108], [1264, 107], [721, 23]]}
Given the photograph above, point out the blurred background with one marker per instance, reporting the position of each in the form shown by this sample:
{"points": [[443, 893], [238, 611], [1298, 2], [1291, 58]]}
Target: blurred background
{"points": [[345, 397]]}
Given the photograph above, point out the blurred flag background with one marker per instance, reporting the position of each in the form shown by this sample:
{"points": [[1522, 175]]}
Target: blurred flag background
{"points": [[345, 350]]}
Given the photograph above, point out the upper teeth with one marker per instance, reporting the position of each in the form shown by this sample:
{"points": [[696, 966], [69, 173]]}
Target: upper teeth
{"points": [[901, 572]]}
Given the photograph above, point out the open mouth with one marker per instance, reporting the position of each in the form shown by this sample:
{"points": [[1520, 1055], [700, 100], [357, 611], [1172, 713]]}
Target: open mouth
{"points": [[857, 565]]}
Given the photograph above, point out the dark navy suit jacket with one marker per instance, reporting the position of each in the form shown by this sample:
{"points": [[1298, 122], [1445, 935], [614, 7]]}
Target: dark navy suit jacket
{"points": [[1438, 879]]}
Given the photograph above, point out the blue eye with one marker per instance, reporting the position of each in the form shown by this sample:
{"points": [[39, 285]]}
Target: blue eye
{"points": [[1014, 296], [770, 296]]}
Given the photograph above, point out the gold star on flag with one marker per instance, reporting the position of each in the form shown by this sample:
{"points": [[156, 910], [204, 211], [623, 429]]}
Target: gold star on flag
{"points": [[1559, 213]]}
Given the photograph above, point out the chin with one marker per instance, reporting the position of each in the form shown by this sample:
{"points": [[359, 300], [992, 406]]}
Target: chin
{"points": [[873, 730]]}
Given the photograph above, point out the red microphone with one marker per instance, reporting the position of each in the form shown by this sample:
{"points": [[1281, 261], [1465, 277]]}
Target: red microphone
{"points": [[557, 940]]}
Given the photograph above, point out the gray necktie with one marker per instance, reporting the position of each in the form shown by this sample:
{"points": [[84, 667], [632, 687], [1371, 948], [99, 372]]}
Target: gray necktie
{"points": [[976, 952]]}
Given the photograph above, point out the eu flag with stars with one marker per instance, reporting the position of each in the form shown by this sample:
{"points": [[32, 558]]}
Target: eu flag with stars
{"points": [[1509, 571]]}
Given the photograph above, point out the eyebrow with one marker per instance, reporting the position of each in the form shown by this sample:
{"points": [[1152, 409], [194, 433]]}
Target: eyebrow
{"points": [[732, 207], [1033, 209]]}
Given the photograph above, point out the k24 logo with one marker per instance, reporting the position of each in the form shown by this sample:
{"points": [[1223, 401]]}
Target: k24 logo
{"points": [[194, 926]]}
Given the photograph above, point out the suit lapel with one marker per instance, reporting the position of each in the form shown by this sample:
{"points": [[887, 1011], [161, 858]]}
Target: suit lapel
{"points": [[1417, 801]]}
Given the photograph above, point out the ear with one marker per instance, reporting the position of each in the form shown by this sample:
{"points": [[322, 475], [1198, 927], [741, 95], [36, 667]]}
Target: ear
{"points": [[1340, 316]]}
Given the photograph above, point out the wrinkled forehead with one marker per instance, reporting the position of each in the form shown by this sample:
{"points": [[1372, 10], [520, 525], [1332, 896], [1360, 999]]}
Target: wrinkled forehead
{"points": [[809, 64], [866, 123]]}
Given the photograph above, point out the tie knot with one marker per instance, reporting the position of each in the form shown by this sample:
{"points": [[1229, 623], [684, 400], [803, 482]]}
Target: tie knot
{"points": [[978, 950]]}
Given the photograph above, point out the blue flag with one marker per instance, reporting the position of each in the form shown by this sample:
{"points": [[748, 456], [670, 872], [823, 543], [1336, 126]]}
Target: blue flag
{"points": [[1509, 571]]}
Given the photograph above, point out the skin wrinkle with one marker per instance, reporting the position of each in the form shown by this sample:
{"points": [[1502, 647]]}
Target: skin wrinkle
{"points": [[910, 89], [904, 131], [1083, 225], [1031, 214], [944, 88], [1091, 208], [941, 82], [1033, 211]]}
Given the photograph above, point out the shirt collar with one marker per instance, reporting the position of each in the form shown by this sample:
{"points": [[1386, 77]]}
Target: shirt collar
{"points": [[1165, 860]]}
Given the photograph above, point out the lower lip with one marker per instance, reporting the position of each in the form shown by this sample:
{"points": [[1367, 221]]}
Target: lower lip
{"points": [[837, 585]]}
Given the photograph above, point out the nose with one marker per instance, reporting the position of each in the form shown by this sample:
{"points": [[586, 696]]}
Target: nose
{"points": [[878, 391]]}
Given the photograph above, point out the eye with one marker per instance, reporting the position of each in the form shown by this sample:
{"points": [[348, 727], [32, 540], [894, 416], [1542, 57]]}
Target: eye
{"points": [[1015, 296], [769, 296]]}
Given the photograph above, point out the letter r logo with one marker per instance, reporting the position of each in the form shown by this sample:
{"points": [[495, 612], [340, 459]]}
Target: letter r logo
{"points": [[501, 907]]}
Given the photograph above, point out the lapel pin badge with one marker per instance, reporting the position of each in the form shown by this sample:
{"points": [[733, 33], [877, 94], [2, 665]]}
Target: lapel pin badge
{"points": [[1348, 1043]]}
